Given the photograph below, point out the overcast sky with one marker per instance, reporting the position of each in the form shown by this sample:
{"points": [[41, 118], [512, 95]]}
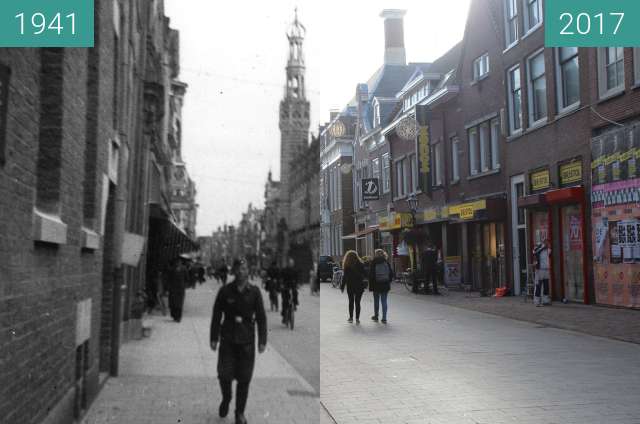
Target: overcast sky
{"points": [[233, 55]]}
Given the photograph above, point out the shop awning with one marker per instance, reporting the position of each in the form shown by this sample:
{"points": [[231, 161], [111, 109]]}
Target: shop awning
{"points": [[361, 234], [532, 201], [565, 195]]}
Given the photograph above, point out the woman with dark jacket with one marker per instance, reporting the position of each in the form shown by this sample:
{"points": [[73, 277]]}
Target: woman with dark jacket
{"points": [[380, 277], [353, 280]]}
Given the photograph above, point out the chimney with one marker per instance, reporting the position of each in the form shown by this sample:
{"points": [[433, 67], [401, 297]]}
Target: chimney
{"points": [[394, 52]]}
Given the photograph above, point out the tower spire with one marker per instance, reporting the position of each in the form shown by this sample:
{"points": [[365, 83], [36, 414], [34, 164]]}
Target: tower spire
{"points": [[295, 66]]}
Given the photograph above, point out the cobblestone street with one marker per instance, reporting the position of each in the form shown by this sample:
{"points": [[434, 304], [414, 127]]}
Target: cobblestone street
{"points": [[434, 363], [171, 376]]}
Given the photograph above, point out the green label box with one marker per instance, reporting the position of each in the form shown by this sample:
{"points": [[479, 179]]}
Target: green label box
{"points": [[592, 23], [46, 23]]}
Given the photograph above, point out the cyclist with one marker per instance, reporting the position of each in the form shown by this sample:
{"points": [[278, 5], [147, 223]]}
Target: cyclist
{"points": [[272, 285], [289, 288]]}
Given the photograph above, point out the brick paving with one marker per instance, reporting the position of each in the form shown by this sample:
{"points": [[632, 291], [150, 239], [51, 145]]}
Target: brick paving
{"points": [[434, 363], [170, 377], [615, 323]]}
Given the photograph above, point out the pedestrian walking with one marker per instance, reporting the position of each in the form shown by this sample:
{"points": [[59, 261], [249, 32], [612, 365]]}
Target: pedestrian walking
{"points": [[542, 253], [380, 277], [289, 288], [272, 285], [240, 303], [353, 279], [430, 262], [177, 281], [222, 272]]}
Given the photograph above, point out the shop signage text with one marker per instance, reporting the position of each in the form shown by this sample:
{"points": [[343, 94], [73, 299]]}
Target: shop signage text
{"points": [[570, 173], [467, 210], [540, 180]]}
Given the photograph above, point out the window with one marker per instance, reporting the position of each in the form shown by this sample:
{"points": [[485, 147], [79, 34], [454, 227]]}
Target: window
{"points": [[610, 70], [515, 100], [474, 158], [568, 77], [636, 65], [376, 114], [495, 139], [375, 166], [455, 162], [511, 22], [386, 174], [481, 67], [537, 89], [406, 175], [484, 154], [532, 14], [399, 181], [413, 162], [438, 164]]}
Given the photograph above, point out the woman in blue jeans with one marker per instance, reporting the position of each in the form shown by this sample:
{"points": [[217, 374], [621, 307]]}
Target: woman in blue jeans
{"points": [[380, 277]]}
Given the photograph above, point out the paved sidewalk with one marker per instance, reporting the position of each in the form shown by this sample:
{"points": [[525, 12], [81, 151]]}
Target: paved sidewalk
{"points": [[434, 363], [171, 377], [602, 321]]}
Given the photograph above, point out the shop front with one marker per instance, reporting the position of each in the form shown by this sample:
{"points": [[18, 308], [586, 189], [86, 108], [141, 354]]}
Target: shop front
{"points": [[475, 244], [559, 215], [615, 218], [398, 251]]}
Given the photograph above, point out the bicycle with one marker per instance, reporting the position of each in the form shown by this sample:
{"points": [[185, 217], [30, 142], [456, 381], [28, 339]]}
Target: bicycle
{"points": [[336, 280]]}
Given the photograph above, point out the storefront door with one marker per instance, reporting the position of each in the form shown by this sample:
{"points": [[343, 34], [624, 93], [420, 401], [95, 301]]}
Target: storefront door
{"points": [[540, 231], [572, 253]]}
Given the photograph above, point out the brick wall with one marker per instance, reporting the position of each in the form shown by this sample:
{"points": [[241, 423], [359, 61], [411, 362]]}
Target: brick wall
{"points": [[40, 283]]}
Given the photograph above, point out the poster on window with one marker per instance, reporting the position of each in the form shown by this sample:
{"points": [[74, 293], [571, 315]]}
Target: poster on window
{"points": [[575, 233], [453, 270], [615, 205]]}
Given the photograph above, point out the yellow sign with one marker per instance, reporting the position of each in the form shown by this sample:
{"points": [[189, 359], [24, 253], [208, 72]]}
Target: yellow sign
{"points": [[383, 223], [395, 221], [571, 173], [423, 144], [467, 210], [436, 213], [540, 180]]}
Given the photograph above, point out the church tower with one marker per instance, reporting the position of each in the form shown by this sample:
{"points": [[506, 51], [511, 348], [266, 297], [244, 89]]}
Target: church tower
{"points": [[294, 112]]}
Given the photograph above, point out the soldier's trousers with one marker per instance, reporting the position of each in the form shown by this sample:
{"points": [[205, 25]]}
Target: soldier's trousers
{"points": [[235, 362]]}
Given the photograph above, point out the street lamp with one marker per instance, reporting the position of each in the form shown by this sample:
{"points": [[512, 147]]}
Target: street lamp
{"points": [[412, 202]]}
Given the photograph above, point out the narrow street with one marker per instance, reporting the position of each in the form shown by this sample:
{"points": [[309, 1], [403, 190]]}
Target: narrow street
{"points": [[170, 377], [435, 363]]}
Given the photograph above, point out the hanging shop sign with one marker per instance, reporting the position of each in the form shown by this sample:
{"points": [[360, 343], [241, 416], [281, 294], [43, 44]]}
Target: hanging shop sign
{"points": [[338, 129], [540, 180], [370, 189], [467, 210], [570, 173], [407, 128], [424, 149], [395, 221]]}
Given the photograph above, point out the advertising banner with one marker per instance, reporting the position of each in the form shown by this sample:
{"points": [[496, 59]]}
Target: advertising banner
{"points": [[615, 204]]}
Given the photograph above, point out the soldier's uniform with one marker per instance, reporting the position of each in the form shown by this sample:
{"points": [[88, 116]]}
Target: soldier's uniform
{"points": [[236, 354]]}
